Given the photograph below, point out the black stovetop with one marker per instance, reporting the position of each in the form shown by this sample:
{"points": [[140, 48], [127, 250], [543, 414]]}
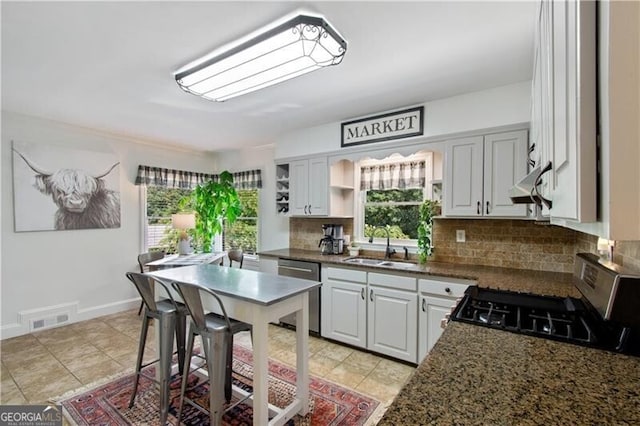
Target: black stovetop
{"points": [[567, 319]]}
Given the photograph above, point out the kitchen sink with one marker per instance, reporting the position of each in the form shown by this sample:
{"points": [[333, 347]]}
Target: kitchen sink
{"points": [[403, 265], [378, 262], [362, 261]]}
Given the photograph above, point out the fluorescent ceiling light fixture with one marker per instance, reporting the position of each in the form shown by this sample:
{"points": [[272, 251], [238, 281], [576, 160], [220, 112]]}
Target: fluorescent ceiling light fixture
{"points": [[300, 45]]}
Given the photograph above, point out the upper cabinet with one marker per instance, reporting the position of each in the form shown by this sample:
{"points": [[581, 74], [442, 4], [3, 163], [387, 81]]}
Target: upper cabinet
{"points": [[480, 171], [317, 187], [308, 187], [563, 121]]}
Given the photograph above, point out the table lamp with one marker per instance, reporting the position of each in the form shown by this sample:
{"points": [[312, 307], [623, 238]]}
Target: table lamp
{"points": [[183, 221]]}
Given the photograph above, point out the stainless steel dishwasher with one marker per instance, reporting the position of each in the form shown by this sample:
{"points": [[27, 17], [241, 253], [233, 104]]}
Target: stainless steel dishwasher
{"points": [[307, 271]]}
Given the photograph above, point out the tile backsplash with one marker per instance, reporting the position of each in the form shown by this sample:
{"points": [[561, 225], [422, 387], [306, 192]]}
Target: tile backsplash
{"points": [[519, 244], [305, 233], [516, 244], [627, 253]]}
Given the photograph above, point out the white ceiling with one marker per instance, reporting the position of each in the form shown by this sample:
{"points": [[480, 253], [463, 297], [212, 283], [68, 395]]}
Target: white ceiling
{"points": [[109, 65]]}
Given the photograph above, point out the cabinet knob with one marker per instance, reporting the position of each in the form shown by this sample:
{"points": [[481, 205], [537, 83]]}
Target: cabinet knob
{"points": [[424, 305], [447, 289], [478, 208], [487, 207], [371, 295], [309, 208], [362, 293], [305, 209]]}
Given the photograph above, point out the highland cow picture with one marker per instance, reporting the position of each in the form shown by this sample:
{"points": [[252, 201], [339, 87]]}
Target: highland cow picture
{"points": [[57, 188]]}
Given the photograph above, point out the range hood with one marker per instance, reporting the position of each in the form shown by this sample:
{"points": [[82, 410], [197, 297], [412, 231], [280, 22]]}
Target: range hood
{"points": [[526, 191]]}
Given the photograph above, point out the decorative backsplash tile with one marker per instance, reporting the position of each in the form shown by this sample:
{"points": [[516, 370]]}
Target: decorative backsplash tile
{"points": [[508, 243], [518, 244], [627, 253], [305, 233]]}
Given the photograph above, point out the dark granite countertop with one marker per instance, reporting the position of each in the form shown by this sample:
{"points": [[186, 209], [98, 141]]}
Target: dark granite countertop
{"points": [[481, 376], [526, 281]]}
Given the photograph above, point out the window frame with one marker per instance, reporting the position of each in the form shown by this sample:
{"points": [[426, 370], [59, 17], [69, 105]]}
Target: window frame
{"points": [[256, 218], [144, 229], [380, 240]]}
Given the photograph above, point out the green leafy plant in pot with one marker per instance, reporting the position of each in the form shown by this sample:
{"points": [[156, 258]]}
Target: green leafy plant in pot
{"points": [[428, 209], [214, 203]]}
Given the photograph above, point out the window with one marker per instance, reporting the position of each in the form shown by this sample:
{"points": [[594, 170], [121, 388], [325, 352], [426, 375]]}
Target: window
{"points": [[391, 192], [162, 202], [244, 232], [396, 208]]}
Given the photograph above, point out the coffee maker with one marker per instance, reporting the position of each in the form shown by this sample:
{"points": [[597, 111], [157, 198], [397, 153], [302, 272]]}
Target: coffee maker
{"points": [[332, 241]]}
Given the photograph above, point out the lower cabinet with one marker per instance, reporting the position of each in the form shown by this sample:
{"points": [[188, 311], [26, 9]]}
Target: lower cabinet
{"points": [[344, 312], [397, 315], [437, 297], [432, 311], [393, 323], [360, 309]]}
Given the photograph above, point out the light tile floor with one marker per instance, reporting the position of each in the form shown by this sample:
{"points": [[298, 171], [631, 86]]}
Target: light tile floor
{"points": [[42, 365]]}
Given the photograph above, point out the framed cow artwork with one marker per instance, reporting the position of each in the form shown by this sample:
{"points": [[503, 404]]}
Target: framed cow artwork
{"points": [[58, 188]]}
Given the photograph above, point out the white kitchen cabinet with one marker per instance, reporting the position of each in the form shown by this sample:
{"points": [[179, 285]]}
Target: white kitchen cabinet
{"points": [[309, 187], [437, 298], [432, 311], [563, 123], [344, 305], [392, 315], [480, 171], [371, 310], [392, 322]]}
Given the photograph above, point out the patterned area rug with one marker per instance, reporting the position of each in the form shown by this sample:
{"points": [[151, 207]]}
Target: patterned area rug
{"points": [[107, 404]]}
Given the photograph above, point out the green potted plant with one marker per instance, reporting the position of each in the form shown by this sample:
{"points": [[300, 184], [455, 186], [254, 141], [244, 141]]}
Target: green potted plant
{"points": [[428, 209], [214, 203]]}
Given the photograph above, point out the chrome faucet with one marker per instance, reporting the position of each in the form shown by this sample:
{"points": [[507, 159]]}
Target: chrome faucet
{"points": [[388, 251]]}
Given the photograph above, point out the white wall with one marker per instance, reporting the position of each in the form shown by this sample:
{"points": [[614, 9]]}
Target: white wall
{"points": [[81, 270], [273, 228], [500, 106]]}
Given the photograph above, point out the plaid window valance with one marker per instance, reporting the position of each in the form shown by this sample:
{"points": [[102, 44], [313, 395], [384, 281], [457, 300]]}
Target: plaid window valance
{"points": [[407, 175], [168, 178]]}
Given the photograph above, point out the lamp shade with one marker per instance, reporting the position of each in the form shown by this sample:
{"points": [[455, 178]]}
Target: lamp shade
{"points": [[183, 221], [300, 45]]}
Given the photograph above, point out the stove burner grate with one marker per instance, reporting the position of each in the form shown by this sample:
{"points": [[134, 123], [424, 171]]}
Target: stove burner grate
{"points": [[545, 321]]}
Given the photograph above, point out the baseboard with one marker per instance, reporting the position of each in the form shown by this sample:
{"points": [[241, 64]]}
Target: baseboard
{"points": [[27, 317]]}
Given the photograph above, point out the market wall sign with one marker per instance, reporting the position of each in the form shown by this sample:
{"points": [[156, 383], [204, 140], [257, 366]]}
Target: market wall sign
{"points": [[384, 127]]}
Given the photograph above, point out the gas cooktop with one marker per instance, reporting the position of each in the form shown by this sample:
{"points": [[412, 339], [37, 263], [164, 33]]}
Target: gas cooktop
{"points": [[565, 319]]}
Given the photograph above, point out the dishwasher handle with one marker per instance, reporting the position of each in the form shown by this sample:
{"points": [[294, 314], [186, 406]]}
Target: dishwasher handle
{"points": [[293, 268]]}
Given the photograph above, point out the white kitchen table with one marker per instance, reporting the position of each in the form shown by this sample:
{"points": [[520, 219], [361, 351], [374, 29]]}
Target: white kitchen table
{"points": [[259, 298]]}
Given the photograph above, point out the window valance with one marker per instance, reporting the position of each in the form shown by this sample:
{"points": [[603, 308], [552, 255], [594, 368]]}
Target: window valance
{"points": [[169, 178], [405, 175]]}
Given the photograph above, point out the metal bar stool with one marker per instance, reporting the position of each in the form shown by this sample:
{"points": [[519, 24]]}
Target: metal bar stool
{"points": [[171, 316], [236, 255], [143, 259], [217, 333]]}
